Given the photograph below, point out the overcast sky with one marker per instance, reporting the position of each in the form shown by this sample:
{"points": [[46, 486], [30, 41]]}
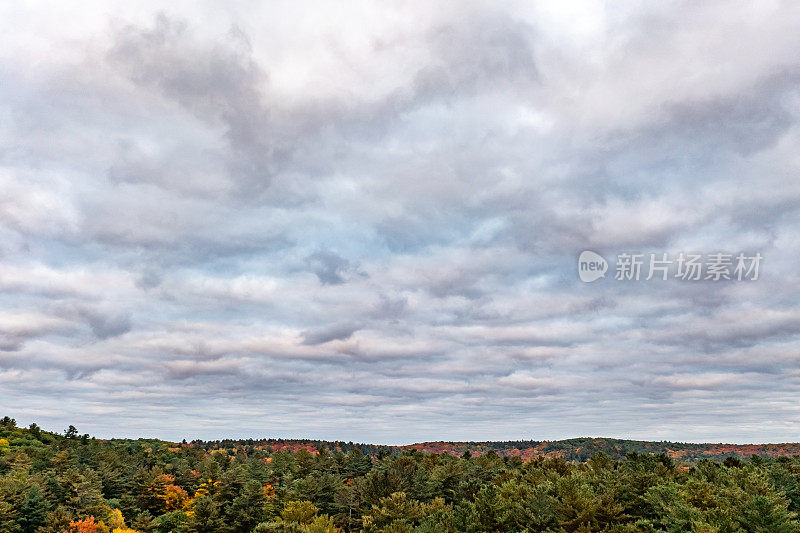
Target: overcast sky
{"points": [[361, 221]]}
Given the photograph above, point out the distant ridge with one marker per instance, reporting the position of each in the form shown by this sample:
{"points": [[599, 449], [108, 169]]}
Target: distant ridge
{"points": [[576, 449]]}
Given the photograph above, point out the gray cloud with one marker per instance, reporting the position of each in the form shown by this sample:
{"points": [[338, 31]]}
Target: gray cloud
{"points": [[331, 268], [218, 83], [105, 326], [330, 333], [327, 220]]}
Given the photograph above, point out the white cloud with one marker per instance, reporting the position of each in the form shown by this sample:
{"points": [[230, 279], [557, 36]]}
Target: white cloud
{"points": [[246, 220]]}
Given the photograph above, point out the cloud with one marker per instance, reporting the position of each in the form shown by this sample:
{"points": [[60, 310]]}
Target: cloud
{"points": [[18, 327], [105, 326], [330, 268], [330, 333], [363, 223], [218, 83]]}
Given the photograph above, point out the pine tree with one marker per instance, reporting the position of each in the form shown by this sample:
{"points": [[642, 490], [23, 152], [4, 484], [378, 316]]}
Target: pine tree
{"points": [[8, 517], [206, 517], [247, 509], [34, 511]]}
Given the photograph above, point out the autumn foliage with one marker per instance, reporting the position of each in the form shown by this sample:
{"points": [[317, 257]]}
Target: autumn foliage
{"points": [[87, 525], [72, 484]]}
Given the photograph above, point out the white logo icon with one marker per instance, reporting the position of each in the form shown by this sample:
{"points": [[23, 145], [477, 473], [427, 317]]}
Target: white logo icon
{"points": [[591, 266]]}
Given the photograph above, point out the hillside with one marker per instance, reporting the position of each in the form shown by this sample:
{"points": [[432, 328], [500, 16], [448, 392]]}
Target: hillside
{"points": [[73, 483], [574, 450], [582, 449]]}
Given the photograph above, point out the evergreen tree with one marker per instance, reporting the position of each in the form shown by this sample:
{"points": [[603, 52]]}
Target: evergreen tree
{"points": [[247, 509], [34, 511], [205, 518]]}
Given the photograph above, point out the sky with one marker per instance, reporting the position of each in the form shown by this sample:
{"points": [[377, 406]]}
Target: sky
{"points": [[362, 221]]}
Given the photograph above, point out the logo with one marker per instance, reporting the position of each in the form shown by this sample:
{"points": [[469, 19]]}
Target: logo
{"points": [[718, 266], [591, 266]]}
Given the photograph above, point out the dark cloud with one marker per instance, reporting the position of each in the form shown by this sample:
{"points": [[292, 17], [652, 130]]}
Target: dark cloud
{"points": [[218, 82], [331, 268], [107, 326], [329, 333], [391, 308]]}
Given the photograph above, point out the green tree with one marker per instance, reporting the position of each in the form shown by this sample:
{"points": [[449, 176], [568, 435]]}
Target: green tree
{"points": [[8, 518], [767, 514], [302, 512], [34, 511], [205, 518], [247, 509], [174, 522]]}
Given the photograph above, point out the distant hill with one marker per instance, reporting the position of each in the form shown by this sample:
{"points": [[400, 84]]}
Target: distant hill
{"points": [[577, 449], [574, 450], [582, 449]]}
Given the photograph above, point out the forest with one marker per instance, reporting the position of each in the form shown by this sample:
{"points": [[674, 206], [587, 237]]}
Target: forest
{"points": [[73, 483]]}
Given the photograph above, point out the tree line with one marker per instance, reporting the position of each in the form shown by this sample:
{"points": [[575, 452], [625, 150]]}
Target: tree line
{"points": [[57, 483]]}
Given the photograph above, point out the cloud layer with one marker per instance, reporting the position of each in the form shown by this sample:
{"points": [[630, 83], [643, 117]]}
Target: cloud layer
{"points": [[362, 224]]}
